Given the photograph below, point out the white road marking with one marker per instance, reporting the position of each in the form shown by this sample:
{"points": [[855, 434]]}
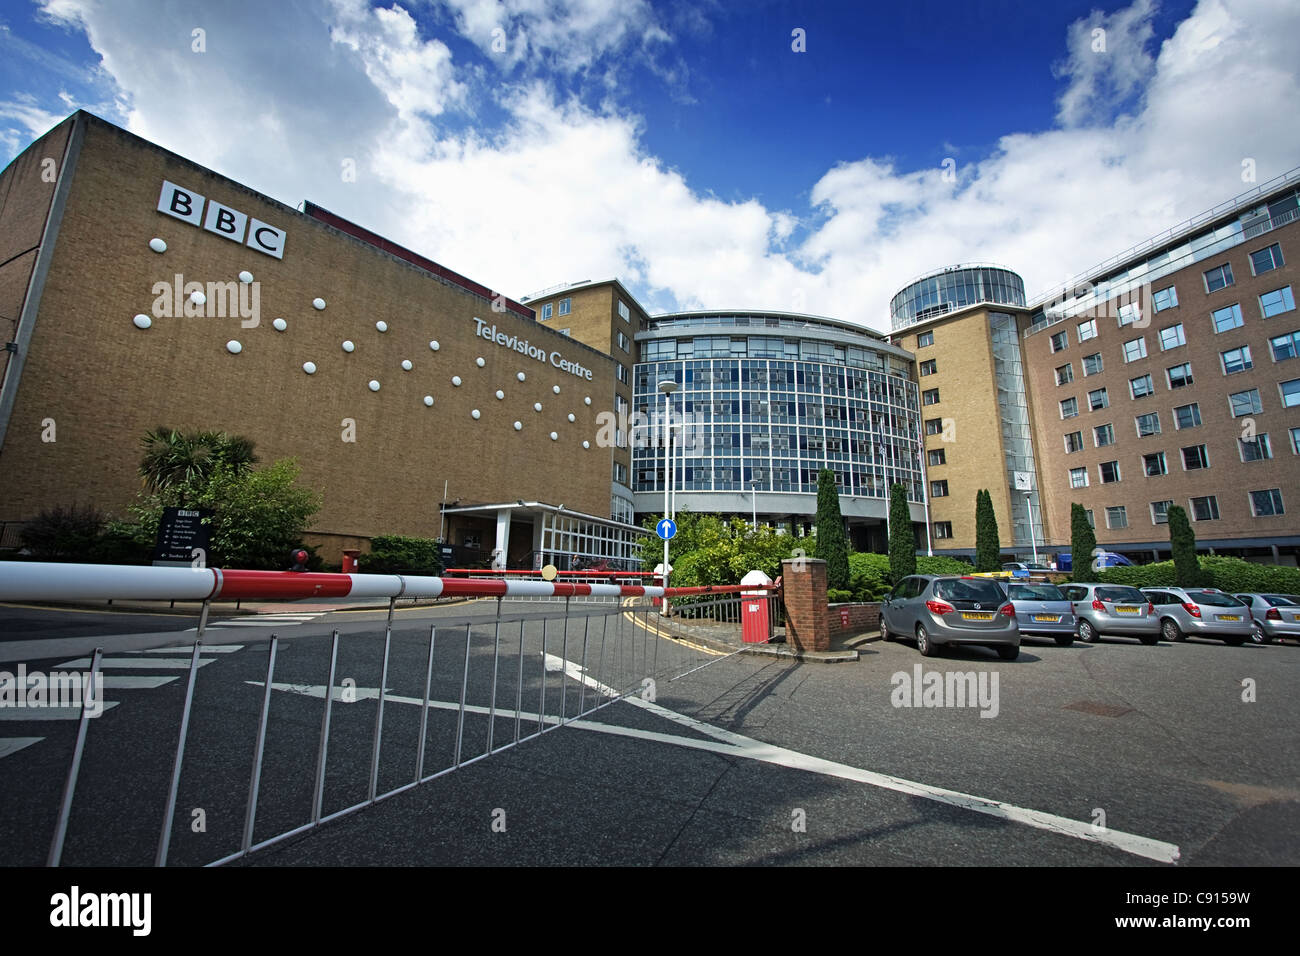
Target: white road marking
{"points": [[134, 681], [318, 690], [206, 649], [138, 663], [732, 744], [11, 745]]}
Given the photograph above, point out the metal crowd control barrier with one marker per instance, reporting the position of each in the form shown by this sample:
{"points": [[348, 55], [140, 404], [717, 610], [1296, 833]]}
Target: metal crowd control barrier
{"points": [[474, 686]]}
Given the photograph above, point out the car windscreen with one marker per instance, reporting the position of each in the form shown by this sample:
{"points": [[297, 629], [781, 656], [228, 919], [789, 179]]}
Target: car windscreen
{"points": [[1278, 600], [1035, 592], [973, 589], [1113, 595], [1212, 599]]}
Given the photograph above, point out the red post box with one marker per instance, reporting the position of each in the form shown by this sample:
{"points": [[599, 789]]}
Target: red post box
{"points": [[350, 560], [755, 621]]}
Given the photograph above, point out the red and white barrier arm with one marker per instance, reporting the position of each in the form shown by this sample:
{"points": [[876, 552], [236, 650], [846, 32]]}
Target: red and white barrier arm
{"points": [[33, 581]]}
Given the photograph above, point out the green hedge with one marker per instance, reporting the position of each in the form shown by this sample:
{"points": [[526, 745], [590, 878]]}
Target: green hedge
{"points": [[869, 576], [394, 553], [1226, 574]]}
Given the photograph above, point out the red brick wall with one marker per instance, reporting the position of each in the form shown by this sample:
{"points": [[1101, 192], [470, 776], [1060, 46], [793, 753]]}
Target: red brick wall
{"points": [[806, 624], [862, 617]]}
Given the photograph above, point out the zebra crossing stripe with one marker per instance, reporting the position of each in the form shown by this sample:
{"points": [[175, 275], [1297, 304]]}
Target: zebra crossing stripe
{"points": [[11, 745], [138, 663], [207, 649], [35, 714]]}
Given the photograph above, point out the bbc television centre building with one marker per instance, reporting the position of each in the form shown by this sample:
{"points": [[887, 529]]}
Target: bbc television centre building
{"points": [[139, 289]]}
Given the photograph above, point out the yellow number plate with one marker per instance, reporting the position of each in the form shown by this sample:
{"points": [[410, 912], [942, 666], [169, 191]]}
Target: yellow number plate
{"points": [[976, 616], [1052, 618], [1126, 610], [1229, 617]]}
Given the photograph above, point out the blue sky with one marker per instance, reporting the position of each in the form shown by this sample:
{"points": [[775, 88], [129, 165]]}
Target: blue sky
{"points": [[686, 147]]}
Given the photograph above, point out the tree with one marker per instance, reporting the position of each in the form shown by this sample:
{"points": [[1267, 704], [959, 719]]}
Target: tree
{"points": [[1182, 541], [988, 546], [1082, 544], [902, 541], [708, 549], [832, 545], [178, 461]]}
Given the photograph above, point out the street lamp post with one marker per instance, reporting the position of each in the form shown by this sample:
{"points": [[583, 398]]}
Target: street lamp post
{"points": [[668, 386], [1029, 510], [753, 487]]}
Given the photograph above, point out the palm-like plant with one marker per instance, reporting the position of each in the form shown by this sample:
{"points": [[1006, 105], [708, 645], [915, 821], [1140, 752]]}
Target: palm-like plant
{"points": [[175, 460]]}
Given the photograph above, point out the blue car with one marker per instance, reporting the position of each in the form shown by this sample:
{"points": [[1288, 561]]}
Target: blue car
{"points": [[1105, 559]]}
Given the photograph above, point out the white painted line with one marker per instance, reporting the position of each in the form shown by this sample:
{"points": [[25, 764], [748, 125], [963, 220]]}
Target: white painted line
{"points": [[139, 663], [353, 694], [46, 713], [207, 649], [258, 623], [11, 745]]}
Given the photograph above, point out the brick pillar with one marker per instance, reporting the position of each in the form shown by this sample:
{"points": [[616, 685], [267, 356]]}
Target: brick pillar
{"points": [[807, 624]]}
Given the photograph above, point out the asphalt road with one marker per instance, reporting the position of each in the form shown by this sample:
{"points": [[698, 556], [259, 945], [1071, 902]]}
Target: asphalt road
{"points": [[1112, 754]]}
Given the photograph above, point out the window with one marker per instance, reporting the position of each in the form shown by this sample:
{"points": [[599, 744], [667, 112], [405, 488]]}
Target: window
{"points": [[1285, 346], [1205, 508], [566, 306], [1236, 360], [1195, 458], [934, 426], [1065, 374], [1070, 408], [1218, 278], [1078, 477], [547, 310], [928, 367], [1255, 449], [1266, 260], [1087, 513], [1172, 337], [1295, 441], [1276, 302], [1108, 471], [1180, 375], [624, 312], [938, 489], [936, 457], [1097, 399], [1141, 387], [1165, 299], [1154, 464], [622, 373], [1087, 330], [1227, 318], [1103, 435], [1187, 416], [1290, 393], [923, 339], [623, 342], [1117, 517], [1148, 424], [1129, 313], [1059, 341], [1160, 511], [1265, 503], [1073, 442], [943, 529], [1092, 363], [1135, 349], [930, 396], [1245, 403], [620, 473]]}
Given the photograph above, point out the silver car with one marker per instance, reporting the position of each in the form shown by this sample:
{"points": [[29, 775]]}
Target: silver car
{"points": [[1273, 615], [1043, 611], [1114, 609], [1200, 612], [951, 610]]}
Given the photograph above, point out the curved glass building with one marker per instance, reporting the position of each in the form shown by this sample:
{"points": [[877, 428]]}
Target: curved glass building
{"points": [[955, 288], [764, 401]]}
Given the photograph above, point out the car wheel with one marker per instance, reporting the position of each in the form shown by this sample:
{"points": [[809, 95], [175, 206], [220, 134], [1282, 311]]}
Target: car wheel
{"points": [[1008, 653], [1258, 636], [1064, 640], [1087, 633], [1170, 630], [923, 642], [1234, 641]]}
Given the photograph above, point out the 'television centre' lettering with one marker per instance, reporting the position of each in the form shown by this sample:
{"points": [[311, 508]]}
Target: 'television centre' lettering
{"points": [[187, 206], [524, 347]]}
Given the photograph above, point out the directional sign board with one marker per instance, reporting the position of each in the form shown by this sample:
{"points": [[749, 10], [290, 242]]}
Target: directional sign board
{"points": [[666, 528]]}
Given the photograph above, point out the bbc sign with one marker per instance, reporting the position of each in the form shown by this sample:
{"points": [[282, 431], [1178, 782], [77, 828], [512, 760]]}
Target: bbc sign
{"points": [[188, 206]]}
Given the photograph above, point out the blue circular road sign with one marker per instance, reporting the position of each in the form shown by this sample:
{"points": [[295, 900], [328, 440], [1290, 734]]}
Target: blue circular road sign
{"points": [[666, 527]]}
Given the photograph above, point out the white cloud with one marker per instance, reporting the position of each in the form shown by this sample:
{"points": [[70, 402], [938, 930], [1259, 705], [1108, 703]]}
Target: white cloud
{"points": [[564, 190]]}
